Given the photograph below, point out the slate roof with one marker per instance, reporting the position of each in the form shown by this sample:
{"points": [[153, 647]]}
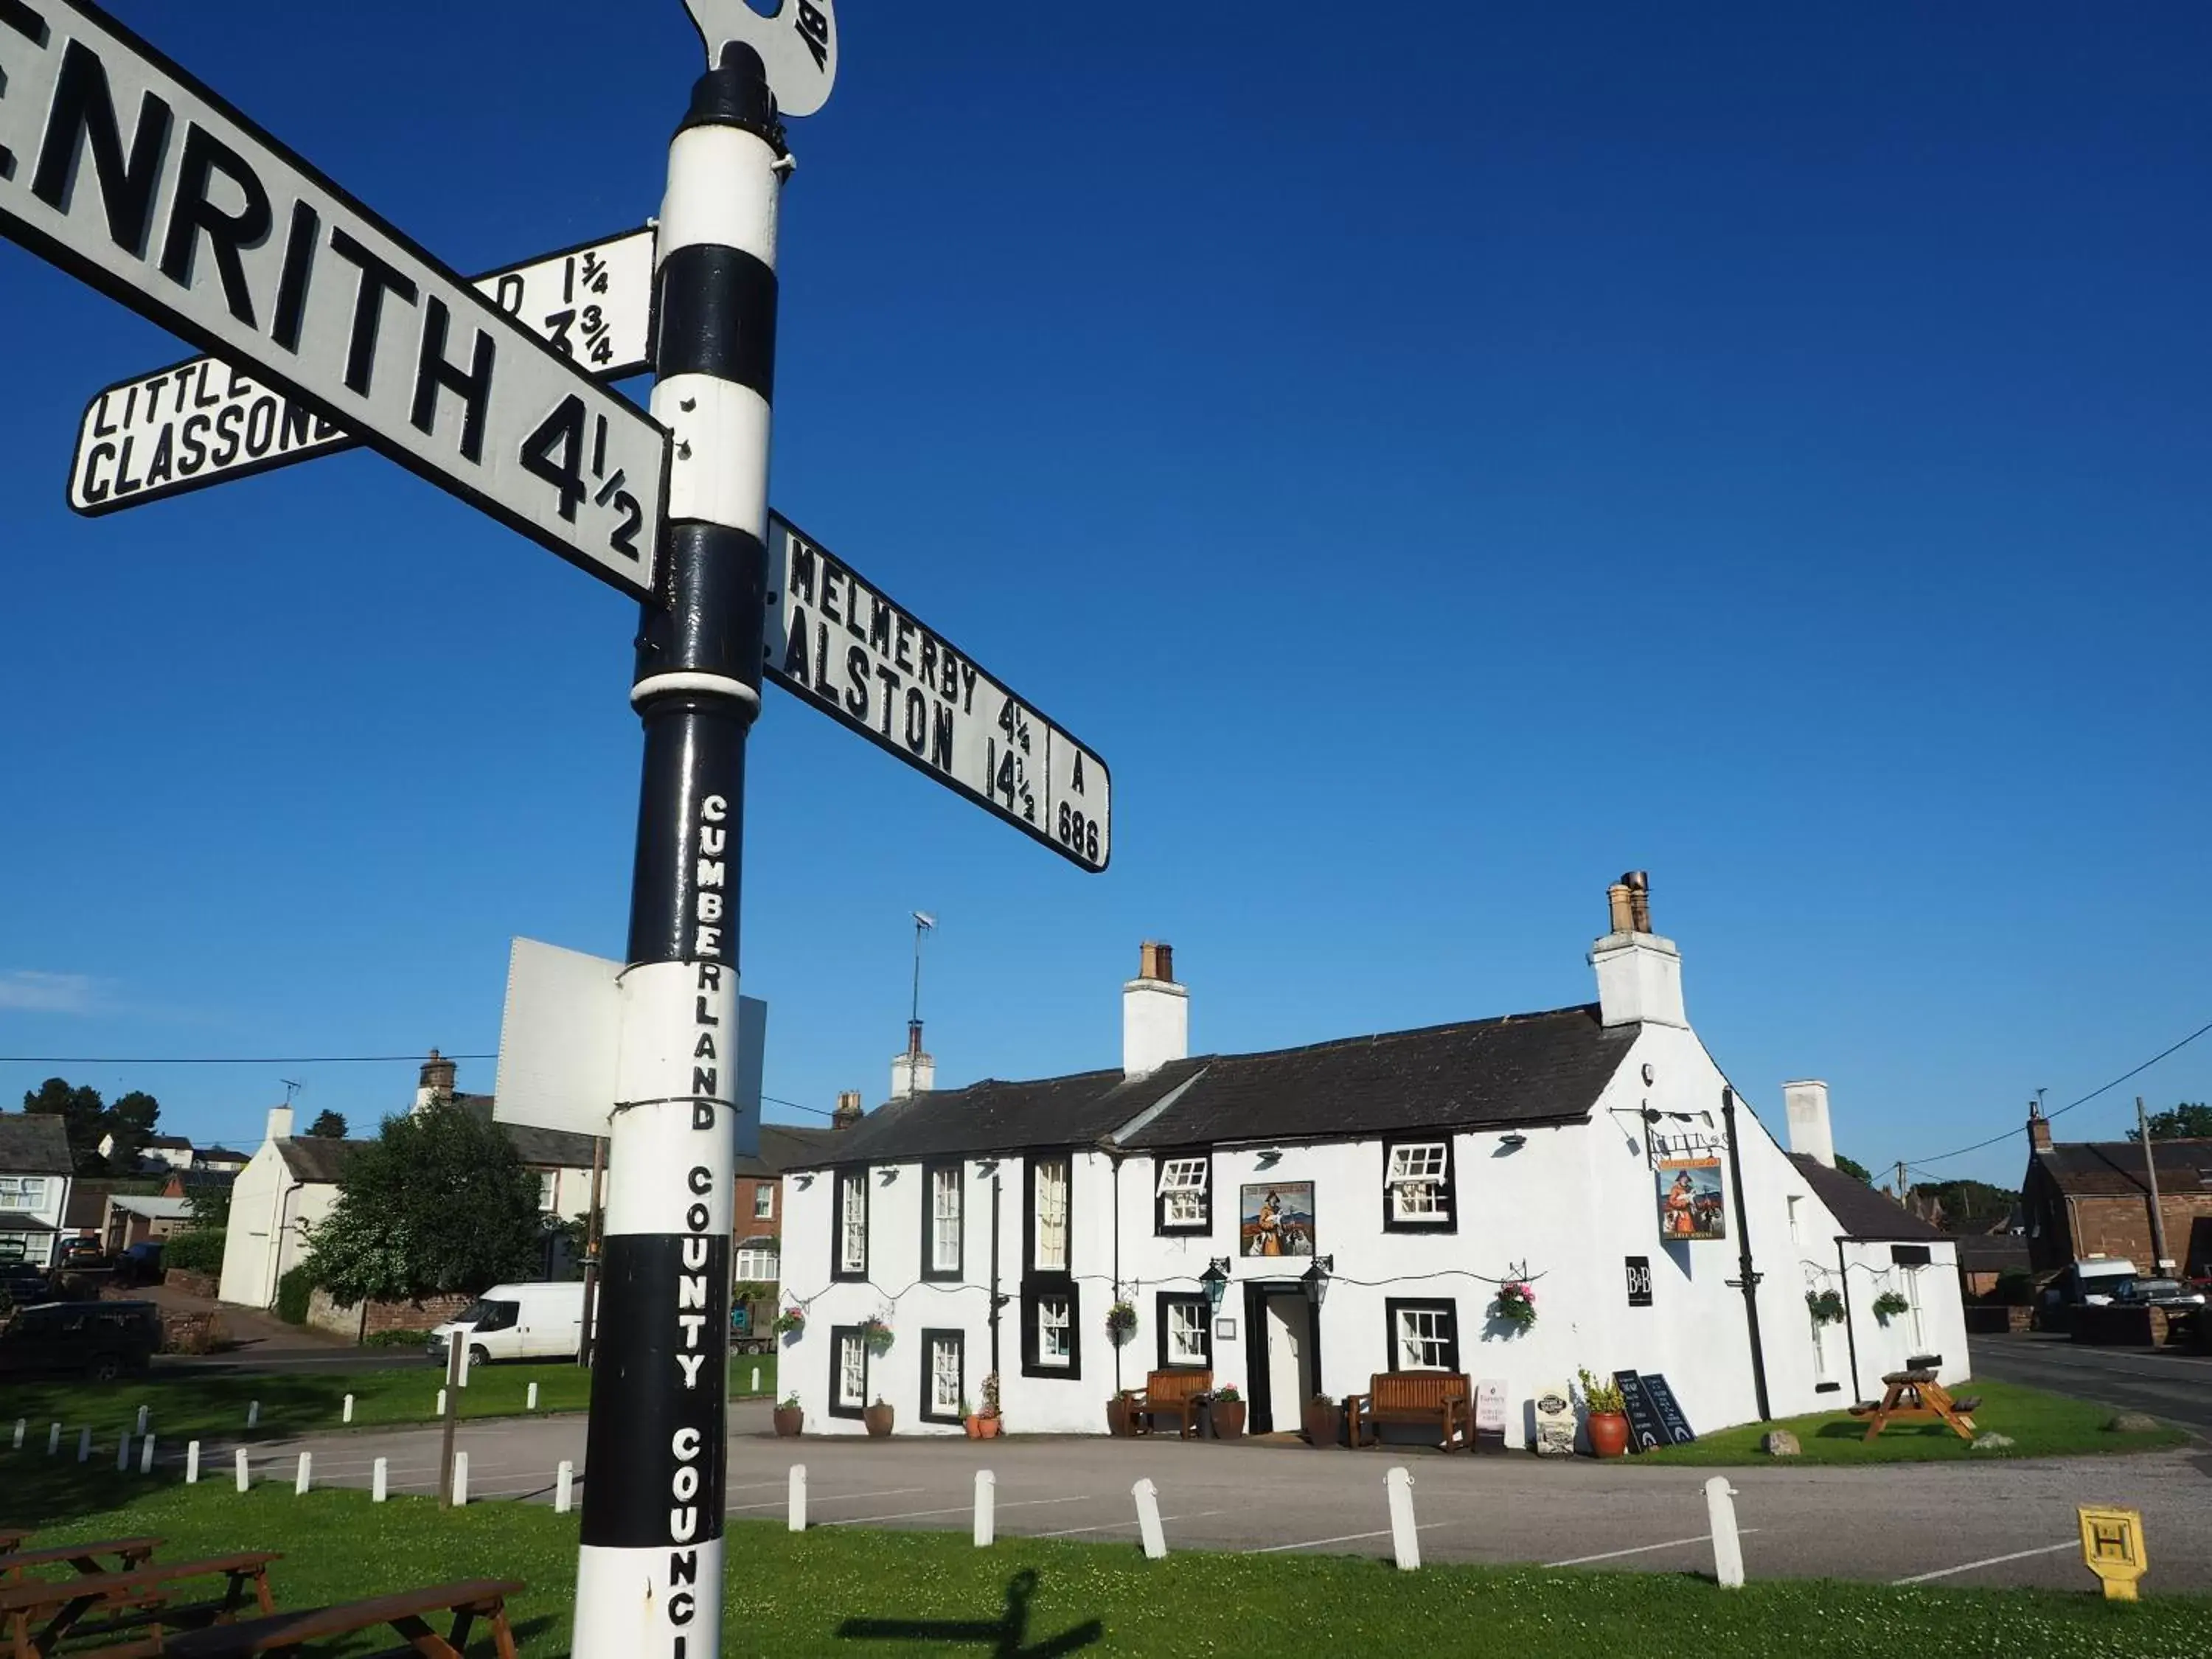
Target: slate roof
{"points": [[783, 1147], [1992, 1253], [33, 1143], [1547, 1067], [210, 1153], [1862, 1211], [2114, 1169], [316, 1157]]}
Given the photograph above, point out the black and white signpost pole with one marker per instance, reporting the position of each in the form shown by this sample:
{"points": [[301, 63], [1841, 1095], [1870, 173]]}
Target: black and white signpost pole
{"points": [[649, 1578]]}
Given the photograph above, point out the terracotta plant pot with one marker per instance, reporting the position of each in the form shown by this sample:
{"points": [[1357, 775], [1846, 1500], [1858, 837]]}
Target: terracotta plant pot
{"points": [[789, 1420], [1324, 1422], [1608, 1433], [1117, 1415], [987, 1428], [1229, 1419], [972, 1425], [878, 1419]]}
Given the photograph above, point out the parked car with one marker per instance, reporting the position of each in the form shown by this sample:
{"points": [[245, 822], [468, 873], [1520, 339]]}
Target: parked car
{"points": [[82, 1253], [517, 1321], [25, 1282], [2160, 1293], [2091, 1282], [140, 1264], [102, 1340]]}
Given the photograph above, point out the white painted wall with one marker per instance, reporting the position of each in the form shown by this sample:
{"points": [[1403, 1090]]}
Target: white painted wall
{"points": [[249, 1254], [42, 1248]]}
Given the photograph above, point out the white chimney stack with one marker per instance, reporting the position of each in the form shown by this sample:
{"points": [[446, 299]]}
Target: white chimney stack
{"points": [[1155, 1013], [913, 1073], [1639, 974], [1807, 1105], [280, 1123]]}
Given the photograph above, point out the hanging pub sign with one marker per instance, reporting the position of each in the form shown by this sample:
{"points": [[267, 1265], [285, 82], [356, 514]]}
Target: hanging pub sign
{"points": [[1276, 1218], [1639, 1281], [1690, 1201]]}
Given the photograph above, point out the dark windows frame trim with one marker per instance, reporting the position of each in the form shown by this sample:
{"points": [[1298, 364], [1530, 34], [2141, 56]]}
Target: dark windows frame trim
{"points": [[838, 1268], [1448, 1187], [958, 1169], [1057, 1287], [837, 1335], [1066, 1157], [1162, 1227], [930, 1339], [1393, 1306], [1161, 1304]]}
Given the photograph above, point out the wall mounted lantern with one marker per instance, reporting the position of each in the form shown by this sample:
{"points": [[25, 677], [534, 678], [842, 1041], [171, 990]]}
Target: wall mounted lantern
{"points": [[1215, 1278], [1317, 1278], [1514, 1142]]}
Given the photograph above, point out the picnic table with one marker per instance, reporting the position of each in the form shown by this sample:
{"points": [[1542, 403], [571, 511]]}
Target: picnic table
{"points": [[85, 1557], [407, 1612], [1916, 1396], [43, 1613], [10, 1537]]}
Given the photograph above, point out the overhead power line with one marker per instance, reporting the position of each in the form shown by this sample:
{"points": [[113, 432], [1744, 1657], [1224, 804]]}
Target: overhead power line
{"points": [[2103, 1089], [205, 1060]]}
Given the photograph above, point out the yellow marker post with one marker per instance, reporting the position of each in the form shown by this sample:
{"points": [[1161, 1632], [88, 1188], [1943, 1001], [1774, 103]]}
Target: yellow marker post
{"points": [[2112, 1548]]}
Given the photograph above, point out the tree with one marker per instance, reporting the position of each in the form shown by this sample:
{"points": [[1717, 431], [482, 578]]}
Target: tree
{"points": [[88, 1120], [1969, 1207], [1852, 1167], [331, 1126], [210, 1204], [131, 1120], [2187, 1121], [439, 1202]]}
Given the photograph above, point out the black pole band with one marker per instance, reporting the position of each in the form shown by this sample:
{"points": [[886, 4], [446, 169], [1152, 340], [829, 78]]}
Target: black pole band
{"points": [[735, 94]]}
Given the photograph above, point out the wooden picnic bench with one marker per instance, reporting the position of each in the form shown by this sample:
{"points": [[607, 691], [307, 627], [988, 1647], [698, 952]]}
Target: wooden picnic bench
{"points": [[129, 1553], [43, 1613], [1444, 1399], [1169, 1394], [1916, 1396], [407, 1612], [10, 1537]]}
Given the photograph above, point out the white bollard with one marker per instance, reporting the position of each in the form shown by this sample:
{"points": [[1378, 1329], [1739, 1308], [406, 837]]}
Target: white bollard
{"points": [[987, 1508], [530, 1400], [798, 1518], [1728, 1547], [53, 1439], [84, 1445], [146, 1455], [1148, 1519], [460, 1479], [442, 1405], [756, 1387], [245, 1479], [141, 1419], [564, 1486], [1404, 1537], [254, 1414], [21, 1424], [193, 1463], [301, 1480], [122, 1453], [345, 1414], [379, 1481]]}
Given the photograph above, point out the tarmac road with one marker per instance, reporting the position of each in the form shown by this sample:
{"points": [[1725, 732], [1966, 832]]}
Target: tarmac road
{"points": [[2175, 1386]]}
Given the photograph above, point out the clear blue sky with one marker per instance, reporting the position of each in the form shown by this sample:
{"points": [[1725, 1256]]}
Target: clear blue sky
{"points": [[1442, 456]]}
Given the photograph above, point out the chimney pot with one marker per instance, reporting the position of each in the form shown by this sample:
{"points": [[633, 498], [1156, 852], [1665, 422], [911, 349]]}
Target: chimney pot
{"points": [[1623, 915], [1155, 960], [1638, 884], [848, 1111], [280, 1123]]}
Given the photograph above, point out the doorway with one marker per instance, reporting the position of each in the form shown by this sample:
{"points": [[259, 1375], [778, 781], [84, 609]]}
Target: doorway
{"points": [[1282, 1355]]}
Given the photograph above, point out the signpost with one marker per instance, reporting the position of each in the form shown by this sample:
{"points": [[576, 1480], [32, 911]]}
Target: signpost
{"points": [[850, 650], [122, 169], [181, 428]]}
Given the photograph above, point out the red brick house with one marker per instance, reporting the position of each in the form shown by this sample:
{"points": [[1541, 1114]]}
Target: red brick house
{"points": [[2086, 1198]]}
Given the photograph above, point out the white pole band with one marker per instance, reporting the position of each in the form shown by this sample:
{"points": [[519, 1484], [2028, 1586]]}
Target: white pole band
{"points": [[718, 686]]}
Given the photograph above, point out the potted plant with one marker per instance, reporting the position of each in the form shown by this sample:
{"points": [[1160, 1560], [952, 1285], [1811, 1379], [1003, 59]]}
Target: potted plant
{"points": [[1888, 1305], [1515, 1304], [1605, 1415], [1121, 1323], [969, 1419], [1118, 1420], [789, 1417], [791, 1322], [1827, 1306], [876, 1332], [877, 1417], [1323, 1420], [1228, 1412], [986, 1417]]}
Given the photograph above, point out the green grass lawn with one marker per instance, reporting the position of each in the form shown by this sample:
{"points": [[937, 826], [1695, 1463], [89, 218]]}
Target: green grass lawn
{"points": [[844, 1591], [188, 1404], [2040, 1424]]}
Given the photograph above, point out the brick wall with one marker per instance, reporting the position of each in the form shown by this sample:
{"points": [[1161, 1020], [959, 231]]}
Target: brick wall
{"points": [[2121, 1226], [748, 1223], [326, 1313]]}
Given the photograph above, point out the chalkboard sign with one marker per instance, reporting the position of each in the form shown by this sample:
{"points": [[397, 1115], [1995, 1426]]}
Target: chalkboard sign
{"points": [[1676, 1426], [1645, 1432]]}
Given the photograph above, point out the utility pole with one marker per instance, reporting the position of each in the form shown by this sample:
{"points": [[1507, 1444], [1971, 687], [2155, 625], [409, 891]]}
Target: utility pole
{"points": [[2150, 1171], [1900, 1184]]}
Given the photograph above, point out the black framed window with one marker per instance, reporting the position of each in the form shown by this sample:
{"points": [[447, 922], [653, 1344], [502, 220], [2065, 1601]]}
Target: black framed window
{"points": [[1419, 1193], [944, 1200], [1048, 1212], [1051, 1328], [1186, 1328], [848, 1230], [1422, 1334], [943, 1376], [849, 1371], [1182, 1194]]}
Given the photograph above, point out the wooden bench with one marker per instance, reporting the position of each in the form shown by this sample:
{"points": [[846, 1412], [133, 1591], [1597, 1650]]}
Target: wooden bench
{"points": [[129, 1553], [1443, 1399], [41, 1614], [1169, 1394], [1913, 1397], [10, 1537], [407, 1612]]}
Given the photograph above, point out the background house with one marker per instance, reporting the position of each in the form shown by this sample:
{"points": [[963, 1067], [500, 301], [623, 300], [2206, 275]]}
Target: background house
{"points": [[137, 1217], [35, 1176], [2083, 1198]]}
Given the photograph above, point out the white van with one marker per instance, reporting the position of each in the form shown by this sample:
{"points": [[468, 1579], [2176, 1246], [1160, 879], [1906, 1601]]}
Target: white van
{"points": [[517, 1321]]}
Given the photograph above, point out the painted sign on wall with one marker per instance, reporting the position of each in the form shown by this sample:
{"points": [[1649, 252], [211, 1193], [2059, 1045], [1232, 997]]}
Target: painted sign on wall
{"points": [[1691, 1207], [1639, 1281], [1276, 1218]]}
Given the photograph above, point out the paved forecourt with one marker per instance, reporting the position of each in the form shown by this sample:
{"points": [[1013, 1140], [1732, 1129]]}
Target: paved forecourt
{"points": [[2001, 1523]]}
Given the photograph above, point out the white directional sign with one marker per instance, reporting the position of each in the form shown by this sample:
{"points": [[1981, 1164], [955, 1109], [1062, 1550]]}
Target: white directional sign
{"points": [[120, 167], [195, 424], [798, 46], [856, 654]]}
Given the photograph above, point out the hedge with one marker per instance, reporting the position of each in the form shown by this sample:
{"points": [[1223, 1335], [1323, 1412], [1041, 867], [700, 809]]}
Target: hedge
{"points": [[199, 1251], [292, 1292]]}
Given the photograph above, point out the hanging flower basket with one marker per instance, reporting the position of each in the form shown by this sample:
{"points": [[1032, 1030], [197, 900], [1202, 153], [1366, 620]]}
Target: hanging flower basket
{"points": [[1121, 1322], [1888, 1305], [1515, 1304], [877, 1335], [1827, 1306], [791, 1321]]}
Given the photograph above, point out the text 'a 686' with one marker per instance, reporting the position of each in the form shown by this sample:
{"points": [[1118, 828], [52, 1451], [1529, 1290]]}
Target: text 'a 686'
{"points": [[126, 171]]}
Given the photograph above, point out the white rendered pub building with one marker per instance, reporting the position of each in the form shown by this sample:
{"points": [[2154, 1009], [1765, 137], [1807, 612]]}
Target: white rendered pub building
{"points": [[1296, 1221]]}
